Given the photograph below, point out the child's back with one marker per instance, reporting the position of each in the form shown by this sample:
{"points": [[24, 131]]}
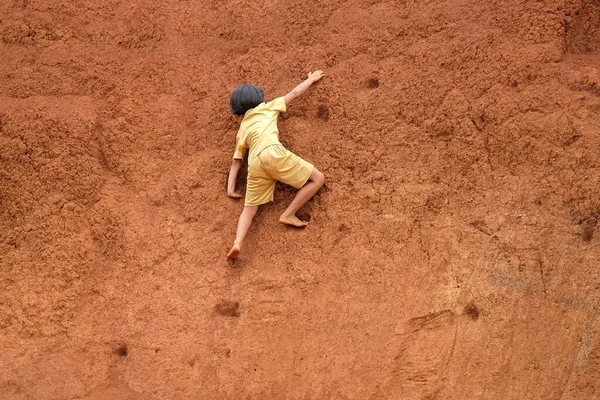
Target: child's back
{"points": [[258, 129]]}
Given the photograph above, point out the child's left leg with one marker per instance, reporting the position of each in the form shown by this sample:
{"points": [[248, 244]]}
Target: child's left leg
{"points": [[242, 229], [312, 186]]}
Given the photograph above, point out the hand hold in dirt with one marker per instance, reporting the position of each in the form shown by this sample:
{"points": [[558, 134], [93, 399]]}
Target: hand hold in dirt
{"points": [[228, 308], [121, 350], [471, 311]]}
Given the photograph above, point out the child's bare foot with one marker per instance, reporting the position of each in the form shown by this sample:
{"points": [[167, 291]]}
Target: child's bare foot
{"points": [[292, 220], [234, 252]]}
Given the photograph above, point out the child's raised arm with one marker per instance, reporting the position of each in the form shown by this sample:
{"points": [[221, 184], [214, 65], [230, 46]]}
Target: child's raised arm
{"points": [[301, 88]]}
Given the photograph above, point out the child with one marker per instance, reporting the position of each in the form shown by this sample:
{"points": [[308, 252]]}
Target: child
{"points": [[268, 160]]}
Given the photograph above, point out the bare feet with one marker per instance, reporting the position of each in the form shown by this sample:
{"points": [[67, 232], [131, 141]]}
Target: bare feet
{"points": [[292, 220], [234, 252]]}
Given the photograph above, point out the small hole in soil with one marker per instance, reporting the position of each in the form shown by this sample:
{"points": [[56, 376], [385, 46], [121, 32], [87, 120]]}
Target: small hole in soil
{"points": [[121, 350], [303, 216], [228, 308], [343, 228], [471, 311], [588, 232], [373, 83], [323, 113], [582, 35]]}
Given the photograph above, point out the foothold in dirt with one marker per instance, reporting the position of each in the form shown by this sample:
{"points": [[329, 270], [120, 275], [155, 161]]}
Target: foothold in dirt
{"points": [[121, 350], [574, 138], [588, 223], [343, 228], [323, 113], [373, 83], [582, 35], [304, 216], [588, 232], [440, 128], [479, 122], [228, 308], [471, 311]]}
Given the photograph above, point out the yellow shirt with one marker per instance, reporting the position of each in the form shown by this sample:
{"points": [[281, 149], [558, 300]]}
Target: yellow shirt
{"points": [[259, 129]]}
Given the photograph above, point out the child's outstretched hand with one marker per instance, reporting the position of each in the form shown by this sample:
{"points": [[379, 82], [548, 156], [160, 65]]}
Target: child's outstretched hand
{"points": [[315, 76], [301, 88]]}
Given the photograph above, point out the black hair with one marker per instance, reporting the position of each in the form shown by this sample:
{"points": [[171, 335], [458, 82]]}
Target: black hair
{"points": [[244, 98]]}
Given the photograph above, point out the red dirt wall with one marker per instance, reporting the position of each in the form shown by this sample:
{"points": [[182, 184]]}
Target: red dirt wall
{"points": [[453, 253]]}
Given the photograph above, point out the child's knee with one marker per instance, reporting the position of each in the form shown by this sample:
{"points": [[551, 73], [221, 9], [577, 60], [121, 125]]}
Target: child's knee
{"points": [[251, 210], [320, 178]]}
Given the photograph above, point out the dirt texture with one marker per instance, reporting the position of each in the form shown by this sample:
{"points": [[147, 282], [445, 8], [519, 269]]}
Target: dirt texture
{"points": [[452, 254]]}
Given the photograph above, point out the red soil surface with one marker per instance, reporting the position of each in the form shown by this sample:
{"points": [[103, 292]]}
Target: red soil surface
{"points": [[453, 253]]}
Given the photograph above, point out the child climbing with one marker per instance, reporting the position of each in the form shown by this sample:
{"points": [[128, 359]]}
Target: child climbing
{"points": [[268, 160]]}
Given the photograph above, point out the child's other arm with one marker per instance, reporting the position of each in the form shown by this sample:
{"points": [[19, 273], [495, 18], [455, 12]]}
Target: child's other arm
{"points": [[233, 172], [301, 88]]}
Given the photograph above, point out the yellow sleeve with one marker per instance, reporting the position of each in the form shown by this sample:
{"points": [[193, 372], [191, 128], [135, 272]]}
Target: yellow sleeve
{"points": [[240, 148], [277, 105]]}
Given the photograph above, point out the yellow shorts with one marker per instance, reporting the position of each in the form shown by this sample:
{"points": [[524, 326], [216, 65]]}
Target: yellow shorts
{"points": [[274, 163]]}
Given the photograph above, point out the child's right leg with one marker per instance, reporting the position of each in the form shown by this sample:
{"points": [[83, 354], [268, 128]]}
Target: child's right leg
{"points": [[242, 228]]}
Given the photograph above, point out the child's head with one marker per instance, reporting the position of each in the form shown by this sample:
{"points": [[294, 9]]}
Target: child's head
{"points": [[244, 98]]}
